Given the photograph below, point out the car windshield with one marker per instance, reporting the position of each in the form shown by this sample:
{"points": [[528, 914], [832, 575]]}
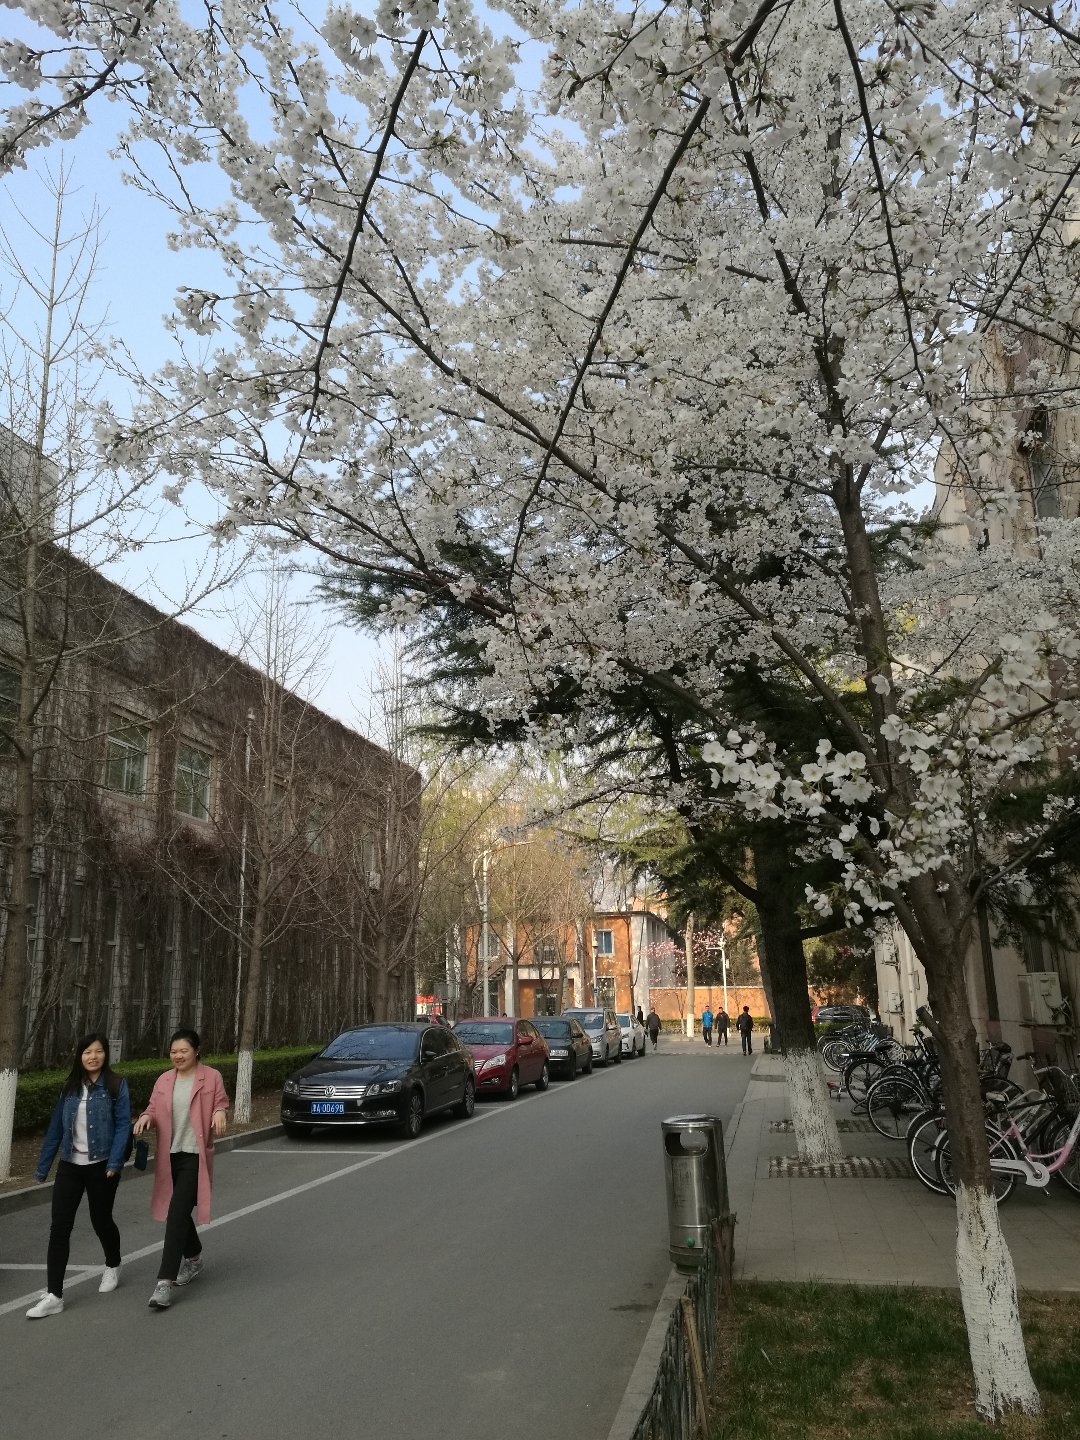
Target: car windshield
{"points": [[376, 1043], [623, 1019], [593, 1022], [480, 1032], [553, 1029]]}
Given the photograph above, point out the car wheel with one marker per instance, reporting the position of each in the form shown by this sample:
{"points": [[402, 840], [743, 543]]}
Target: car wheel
{"points": [[467, 1104], [618, 1055], [295, 1131], [572, 1072], [514, 1086], [410, 1127], [588, 1064], [545, 1078]]}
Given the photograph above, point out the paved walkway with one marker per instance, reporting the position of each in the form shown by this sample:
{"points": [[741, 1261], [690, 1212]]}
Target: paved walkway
{"points": [[870, 1231]]}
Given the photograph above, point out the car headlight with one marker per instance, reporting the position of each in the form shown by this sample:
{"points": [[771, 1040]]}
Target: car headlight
{"points": [[291, 1087], [493, 1062], [388, 1087]]}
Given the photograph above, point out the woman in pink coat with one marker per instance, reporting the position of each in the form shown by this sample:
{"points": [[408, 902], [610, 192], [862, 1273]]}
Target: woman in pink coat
{"points": [[188, 1106]]}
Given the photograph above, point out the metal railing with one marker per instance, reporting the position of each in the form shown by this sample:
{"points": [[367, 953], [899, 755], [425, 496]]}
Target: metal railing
{"points": [[678, 1407]]}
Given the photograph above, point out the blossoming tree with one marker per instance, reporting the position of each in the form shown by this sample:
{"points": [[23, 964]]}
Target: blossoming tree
{"points": [[621, 333]]}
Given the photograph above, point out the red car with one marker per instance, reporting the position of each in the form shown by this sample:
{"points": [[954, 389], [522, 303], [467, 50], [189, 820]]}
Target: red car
{"points": [[508, 1053]]}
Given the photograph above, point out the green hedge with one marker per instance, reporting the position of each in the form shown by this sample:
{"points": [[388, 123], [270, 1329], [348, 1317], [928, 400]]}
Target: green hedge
{"points": [[38, 1089]]}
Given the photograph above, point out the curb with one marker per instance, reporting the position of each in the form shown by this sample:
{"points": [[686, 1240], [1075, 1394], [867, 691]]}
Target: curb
{"points": [[32, 1195], [643, 1376]]}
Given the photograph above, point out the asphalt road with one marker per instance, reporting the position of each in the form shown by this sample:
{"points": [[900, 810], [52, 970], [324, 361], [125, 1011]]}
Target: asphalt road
{"points": [[493, 1279]]}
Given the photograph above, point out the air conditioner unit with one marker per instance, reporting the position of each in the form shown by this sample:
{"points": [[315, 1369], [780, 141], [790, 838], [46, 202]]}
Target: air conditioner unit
{"points": [[1040, 996]]}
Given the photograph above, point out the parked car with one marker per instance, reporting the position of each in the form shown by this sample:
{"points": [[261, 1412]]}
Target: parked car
{"points": [[841, 1015], [569, 1048], [603, 1031], [633, 1034], [508, 1053], [379, 1075]]}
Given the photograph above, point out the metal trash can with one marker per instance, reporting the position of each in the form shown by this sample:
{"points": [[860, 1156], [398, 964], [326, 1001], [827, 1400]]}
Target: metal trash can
{"points": [[696, 1180]]}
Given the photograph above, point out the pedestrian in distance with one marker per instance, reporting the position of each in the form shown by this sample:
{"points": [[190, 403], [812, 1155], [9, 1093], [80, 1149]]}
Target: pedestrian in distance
{"points": [[188, 1108], [745, 1026], [723, 1020], [652, 1025], [706, 1024], [91, 1128], [640, 1018]]}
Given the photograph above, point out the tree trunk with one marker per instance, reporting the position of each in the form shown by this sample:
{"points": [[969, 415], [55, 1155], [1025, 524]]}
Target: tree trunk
{"points": [[688, 946], [20, 889], [249, 1019], [984, 1267], [381, 997], [812, 1112]]}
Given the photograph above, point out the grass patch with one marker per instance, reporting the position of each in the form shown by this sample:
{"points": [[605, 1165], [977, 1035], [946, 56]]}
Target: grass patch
{"points": [[831, 1362]]}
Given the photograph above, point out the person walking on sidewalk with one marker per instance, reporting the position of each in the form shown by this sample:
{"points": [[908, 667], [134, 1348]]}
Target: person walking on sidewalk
{"points": [[723, 1020], [188, 1107], [91, 1127], [745, 1026], [652, 1025], [706, 1024]]}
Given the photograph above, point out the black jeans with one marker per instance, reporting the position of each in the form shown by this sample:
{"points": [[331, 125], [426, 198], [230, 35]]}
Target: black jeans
{"points": [[70, 1184], [181, 1237], [747, 1043]]}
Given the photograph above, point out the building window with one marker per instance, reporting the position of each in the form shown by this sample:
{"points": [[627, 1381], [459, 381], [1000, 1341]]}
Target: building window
{"points": [[546, 955], [9, 708], [1044, 486], [605, 991], [604, 941], [127, 755], [193, 782]]}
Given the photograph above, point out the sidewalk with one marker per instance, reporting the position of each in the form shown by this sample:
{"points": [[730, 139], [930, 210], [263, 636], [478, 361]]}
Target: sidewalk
{"points": [[870, 1231]]}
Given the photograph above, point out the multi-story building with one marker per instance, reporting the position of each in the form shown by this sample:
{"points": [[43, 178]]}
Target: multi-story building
{"points": [[180, 793]]}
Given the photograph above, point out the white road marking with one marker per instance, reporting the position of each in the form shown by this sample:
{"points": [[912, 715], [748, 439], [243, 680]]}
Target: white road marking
{"points": [[92, 1268], [373, 1159], [312, 1154]]}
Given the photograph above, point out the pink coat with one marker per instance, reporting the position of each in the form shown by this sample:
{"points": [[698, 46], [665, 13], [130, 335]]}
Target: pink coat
{"points": [[207, 1095]]}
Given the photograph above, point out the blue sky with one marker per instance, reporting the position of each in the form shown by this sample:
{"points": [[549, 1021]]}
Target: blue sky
{"points": [[134, 286]]}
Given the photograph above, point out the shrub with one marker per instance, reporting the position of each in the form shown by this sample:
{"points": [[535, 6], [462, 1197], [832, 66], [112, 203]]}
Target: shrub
{"points": [[38, 1089]]}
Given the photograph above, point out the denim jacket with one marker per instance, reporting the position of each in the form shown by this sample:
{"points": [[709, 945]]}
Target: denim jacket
{"points": [[108, 1125]]}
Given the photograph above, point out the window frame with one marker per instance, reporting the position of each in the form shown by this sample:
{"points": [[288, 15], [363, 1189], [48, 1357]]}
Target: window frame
{"points": [[192, 748], [118, 723]]}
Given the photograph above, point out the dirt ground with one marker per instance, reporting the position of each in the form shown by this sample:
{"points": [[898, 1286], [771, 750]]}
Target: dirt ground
{"points": [[25, 1148]]}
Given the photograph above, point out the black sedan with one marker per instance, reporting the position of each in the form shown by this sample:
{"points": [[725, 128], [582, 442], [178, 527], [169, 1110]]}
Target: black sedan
{"points": [[380, 1075], [569, 1048]]}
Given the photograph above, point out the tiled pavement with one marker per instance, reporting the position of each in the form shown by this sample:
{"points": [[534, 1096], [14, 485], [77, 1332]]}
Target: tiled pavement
{"points": [[871, 1231]]}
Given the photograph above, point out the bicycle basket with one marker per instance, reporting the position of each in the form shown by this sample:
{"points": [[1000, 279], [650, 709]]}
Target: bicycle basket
{"points": [[1063, 1088]]}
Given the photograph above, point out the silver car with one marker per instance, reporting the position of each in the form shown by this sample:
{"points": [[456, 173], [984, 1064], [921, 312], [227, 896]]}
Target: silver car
{"points": [[632, 1032], [603, 1031]]}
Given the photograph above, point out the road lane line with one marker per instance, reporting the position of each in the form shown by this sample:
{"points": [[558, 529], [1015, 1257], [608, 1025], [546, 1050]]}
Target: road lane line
{"points": [[406, 1149], [307, 1154]]}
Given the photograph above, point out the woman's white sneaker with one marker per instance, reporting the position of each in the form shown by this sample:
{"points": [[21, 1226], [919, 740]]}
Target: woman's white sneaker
{"points": [[110, 1278], [47, 1305]]}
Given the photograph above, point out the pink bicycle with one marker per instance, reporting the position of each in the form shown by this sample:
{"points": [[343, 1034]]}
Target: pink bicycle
{"points": [[1011, 1158]]}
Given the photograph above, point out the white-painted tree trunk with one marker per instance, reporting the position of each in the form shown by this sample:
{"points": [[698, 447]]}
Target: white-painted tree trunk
{"points": [[9, 1080], [984, 1267], [812, 1112], [242, 1102]]}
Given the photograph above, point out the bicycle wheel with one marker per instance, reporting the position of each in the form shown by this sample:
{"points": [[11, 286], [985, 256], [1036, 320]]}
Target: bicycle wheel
{"points": [[1000, 1145], [1052, 1139], [892, 1102], [834, 1054], [922, 1138], [859, 1075]]}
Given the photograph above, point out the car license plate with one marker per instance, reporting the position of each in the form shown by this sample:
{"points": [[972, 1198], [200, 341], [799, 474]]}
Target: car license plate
{"points": [[328, 1107], [559, 1054]]}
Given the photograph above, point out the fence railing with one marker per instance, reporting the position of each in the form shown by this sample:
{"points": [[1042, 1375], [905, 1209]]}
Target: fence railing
{"points": [[678, 1407]]}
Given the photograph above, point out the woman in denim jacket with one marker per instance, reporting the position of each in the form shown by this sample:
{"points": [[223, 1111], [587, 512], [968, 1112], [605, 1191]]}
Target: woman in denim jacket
{"points": [[90, 1126]]}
